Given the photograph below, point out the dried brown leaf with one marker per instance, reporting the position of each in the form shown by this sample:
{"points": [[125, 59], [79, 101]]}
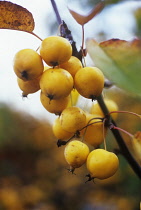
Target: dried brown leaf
{"points": [[82, 19], [13, 16]]}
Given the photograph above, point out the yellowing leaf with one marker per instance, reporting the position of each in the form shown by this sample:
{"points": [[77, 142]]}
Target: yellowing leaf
{"points": [[81, 19], [13, 16], [120, 62]]}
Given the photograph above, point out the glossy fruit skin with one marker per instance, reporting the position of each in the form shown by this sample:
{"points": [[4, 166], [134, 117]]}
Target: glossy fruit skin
{"points": [[56, 83], [54, 106], [72, 65], [76, 153], [95, 133], [28, 64], [55, 50], [72, 119], [30, 86], [59, 132], [89, 82], [111, 105], [102, 164]]}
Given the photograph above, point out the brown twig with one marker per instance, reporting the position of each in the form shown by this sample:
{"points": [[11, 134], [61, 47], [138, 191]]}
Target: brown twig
{"points": [[123, 147]]}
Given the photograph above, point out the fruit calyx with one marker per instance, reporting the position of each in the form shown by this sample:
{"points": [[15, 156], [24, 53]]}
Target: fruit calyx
{"points": [[24, 95], [71, 170], [54, 63], [93, 97], [24, 74], [89, 178], [50, 96], [61, 142]]}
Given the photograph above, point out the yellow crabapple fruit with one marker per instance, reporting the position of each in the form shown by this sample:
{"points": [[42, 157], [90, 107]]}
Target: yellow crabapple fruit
{"points": [[95, 132], [59, 132], [72, 65], [102, 164], [76, 153], [89, 82], [73, 119], [54, 106], [74, 95], [28, 64], [56, 83], [30, 86], [46, 68], [55, 50], [111, 105]]}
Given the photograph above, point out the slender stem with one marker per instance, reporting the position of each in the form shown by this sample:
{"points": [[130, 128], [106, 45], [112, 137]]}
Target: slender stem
{"points": [[83, 38], [59, 20], [86, 127], [82, 47], [126, 112], [88, 124], [124, 149], [104, 139], [120, 129], [35, 35]]}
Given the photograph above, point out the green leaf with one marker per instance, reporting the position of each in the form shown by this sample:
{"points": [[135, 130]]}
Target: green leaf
{"points": [[120, 62]]}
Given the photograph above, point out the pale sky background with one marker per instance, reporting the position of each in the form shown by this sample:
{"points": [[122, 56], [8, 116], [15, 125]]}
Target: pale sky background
{"points": [[118, 21]]}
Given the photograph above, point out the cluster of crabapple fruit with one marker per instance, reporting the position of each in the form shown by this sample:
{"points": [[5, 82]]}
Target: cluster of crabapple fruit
{"points": [[58, 75]]}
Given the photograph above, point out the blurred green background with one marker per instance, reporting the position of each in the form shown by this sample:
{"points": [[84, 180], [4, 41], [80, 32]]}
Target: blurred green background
{"points": [[34, 175]]}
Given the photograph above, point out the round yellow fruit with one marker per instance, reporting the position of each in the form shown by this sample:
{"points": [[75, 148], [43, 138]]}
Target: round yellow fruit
{"points": [[55, 50], [111, 105], [73, 119], [102, 164], [28, 87], [54, 106], [76, 153], [89, 82], [59, 132], [72, 65], [95, 132], [74, 96], [56, 83], [28, 64]]}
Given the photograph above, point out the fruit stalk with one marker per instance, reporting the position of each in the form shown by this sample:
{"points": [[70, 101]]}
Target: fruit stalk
{"points": [[123, 148]]}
